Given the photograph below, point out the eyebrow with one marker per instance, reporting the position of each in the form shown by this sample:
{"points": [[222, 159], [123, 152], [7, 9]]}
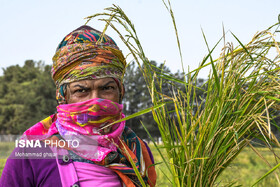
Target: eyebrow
{"points": [[107, 84], [80, 86], [85, 87]]}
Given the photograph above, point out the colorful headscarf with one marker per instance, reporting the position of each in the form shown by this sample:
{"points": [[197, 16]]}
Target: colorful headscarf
{"points": [[86, 53]]}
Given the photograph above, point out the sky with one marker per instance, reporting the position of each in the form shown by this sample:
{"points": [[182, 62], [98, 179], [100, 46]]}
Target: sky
{"points": [[32, 29]]}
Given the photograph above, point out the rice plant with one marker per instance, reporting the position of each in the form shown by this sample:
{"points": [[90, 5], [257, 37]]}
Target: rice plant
{"points": [[202, 136]]}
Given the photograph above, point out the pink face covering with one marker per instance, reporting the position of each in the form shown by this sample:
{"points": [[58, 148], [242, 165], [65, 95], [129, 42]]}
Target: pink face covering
{"points": [[81, 125], [83, 122]]}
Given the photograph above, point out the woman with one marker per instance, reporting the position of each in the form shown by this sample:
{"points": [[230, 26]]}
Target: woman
{"points": [[79, 146]]}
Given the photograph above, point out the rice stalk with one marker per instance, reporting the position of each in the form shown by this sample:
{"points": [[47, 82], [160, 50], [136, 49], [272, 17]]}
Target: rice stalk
{"points": [[202, 136]]}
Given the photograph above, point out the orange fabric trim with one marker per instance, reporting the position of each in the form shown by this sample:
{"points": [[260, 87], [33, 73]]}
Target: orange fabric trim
{"points": [[125, 179], [124, 148], [152, 175]]}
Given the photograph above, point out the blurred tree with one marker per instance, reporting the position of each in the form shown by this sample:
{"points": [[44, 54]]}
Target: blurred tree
{"points": [[27, 95], [137, 97]]}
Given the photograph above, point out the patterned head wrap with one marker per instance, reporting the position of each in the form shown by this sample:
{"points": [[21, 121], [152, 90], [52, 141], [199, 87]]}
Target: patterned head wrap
{"points": [[86, 54]]}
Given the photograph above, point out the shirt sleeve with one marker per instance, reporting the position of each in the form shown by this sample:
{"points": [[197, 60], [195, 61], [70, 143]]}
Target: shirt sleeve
{"points": [[30, 172]]}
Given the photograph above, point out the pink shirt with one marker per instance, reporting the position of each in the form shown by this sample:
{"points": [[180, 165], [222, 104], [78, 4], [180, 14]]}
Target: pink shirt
{"points": [[86, 174], [95, 175]]}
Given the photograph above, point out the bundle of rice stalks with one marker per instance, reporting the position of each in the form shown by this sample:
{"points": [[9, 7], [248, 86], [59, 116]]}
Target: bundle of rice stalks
{"points": [[202, 136]]}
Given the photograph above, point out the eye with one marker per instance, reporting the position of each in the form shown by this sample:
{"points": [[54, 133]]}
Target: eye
{"points": [[108, 87], [81, 90]]}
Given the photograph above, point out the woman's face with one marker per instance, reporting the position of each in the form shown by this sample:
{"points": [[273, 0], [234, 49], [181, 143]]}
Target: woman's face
{"points": [[105, 88]]}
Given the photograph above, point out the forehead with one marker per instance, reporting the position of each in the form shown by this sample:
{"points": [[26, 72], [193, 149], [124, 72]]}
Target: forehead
{"points": [[93, 82]]}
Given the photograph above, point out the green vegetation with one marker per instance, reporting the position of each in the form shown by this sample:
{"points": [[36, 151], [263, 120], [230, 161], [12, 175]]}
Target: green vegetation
{"points": [[2, 164], [27, 95], [247, 168], [203, 136], [244, 170], [6, 148]]}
